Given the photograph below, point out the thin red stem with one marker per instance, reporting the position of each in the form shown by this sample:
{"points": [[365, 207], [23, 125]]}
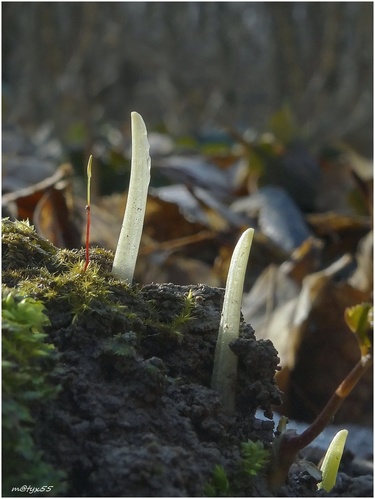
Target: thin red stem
{"points": [[88, 222], [333, 405]]}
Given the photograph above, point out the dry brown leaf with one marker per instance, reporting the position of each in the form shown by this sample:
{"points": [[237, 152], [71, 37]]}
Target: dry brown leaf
{"points": [[49, 206]]}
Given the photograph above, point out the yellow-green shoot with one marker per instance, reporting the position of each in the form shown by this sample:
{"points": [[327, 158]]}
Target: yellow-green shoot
{"points": [[225, 362], [331, 461], [132, 226]]}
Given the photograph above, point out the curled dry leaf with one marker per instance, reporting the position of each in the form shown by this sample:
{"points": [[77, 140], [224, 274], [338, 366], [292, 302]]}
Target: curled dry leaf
{"points": [[308, 329], [49, 206]]}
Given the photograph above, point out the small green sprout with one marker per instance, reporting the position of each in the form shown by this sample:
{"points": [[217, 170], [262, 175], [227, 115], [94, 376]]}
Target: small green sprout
{"points": [[132, 226], [360, 321], [225, 362], [331, 461]]}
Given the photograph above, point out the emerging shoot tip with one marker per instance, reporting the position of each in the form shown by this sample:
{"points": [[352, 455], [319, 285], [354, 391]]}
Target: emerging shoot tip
{"points": [[225, 363], [132, 226]]}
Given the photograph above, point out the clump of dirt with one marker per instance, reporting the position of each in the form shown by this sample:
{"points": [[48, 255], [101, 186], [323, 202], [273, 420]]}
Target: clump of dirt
{"points": [[135, 414]]}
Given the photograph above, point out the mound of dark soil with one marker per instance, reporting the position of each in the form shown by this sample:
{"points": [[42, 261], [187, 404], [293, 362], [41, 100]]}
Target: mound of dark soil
{"points": [[145, 422]]}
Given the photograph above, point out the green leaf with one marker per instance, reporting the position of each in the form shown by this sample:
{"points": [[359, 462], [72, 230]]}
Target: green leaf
{"points": [[360, 321]]}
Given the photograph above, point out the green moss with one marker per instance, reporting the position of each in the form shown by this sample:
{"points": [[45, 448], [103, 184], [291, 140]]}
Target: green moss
{"points": [[27, 362], [255, 457], [253, 461], [184, 316], [219, 485], [38, 269], [173, 329], [94, 299], [23, 248], [122, 344]]}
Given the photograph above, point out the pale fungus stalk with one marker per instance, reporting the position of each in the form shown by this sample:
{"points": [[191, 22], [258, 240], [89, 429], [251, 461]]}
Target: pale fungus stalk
{"points": [[132, 225], [225, 362], [331, 461]]}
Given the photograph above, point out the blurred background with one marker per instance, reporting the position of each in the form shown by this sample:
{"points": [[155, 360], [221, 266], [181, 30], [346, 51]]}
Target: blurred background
{"points": [[259, 113], [189, 66]]}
